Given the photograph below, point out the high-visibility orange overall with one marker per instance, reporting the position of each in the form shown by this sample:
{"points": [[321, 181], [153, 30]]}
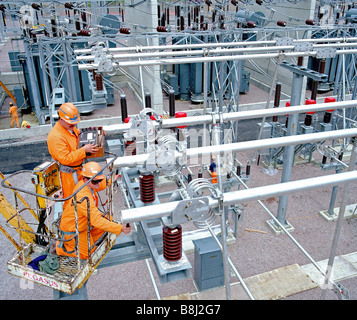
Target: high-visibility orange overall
{"points": [[99, 223], [63, 147], [14, 116]]}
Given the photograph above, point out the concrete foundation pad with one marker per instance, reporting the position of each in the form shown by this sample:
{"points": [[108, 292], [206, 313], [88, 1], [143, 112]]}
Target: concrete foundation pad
{"points": [[276, 229], [344, 267], [350, 212]]}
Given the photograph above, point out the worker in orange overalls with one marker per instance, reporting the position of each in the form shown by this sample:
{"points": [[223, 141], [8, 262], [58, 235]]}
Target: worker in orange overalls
{"points": [[98, 223], [14, 115], [63, 142]]}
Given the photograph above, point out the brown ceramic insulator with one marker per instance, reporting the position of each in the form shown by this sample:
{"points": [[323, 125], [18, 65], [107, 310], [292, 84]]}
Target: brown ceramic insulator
{"points": [[130, 148], [99, 82], [327, 117], [84, 32], [308, 120], [161, 29], [147, 188], [125, 30], [281, 23], [172, 242]]}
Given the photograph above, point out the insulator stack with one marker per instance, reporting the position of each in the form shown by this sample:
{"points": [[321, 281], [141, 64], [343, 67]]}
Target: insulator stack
{"points": [[251, 24], [239, 169], [308, 120], [162, 21], [125, 30], [172, 103], [328, 113], [99, 82], [36, 6], [182, 23], [281, 23], [310, 22], [147, 100], [84, 32], [200, 174], [124, 107], [327, 117], [247, 170], [308, 116], [161, 29], [130, 148], [277, 99], [172, 243], [147, 188]]}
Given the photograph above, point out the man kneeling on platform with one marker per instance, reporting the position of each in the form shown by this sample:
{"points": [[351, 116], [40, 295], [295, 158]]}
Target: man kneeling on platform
{"points": [[98, 224]]}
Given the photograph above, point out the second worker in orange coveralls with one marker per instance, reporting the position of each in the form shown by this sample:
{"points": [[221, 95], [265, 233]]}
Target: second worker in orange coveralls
{"points": [[97, 222], [14, 115], [63, 142]]}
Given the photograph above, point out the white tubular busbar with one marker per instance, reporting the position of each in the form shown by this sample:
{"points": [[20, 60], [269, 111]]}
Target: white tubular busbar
{"points": [[271, 143], [241, 115], [241, 196], [132, 161], [171, 61], [247, 44]]}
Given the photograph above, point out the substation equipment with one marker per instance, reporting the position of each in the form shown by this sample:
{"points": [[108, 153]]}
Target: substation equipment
{"points": [[156, 155]]}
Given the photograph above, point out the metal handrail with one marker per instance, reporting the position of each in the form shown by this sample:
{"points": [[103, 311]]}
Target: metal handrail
{"points": [[3, 183]]}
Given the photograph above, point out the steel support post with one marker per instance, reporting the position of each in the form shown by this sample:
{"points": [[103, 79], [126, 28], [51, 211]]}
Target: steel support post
{"points": [[223, 214], [333, 197], [289, 150], [341, 214], [32, 75]]}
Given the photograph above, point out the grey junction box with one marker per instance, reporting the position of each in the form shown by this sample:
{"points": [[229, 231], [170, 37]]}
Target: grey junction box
{"points": [[208, 264]]}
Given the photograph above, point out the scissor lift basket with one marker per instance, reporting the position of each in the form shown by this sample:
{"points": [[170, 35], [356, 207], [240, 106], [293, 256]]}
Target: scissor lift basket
{"points": [[68, 277]]}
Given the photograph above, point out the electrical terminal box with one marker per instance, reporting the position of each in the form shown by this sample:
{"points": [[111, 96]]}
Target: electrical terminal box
{"points": [[92, 135], [46, 178]]}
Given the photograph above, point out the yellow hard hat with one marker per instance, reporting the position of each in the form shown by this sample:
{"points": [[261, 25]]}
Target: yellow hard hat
{"points": [[69, 113], [92, 168]]}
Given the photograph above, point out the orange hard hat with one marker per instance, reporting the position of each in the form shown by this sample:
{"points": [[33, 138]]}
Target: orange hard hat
{"points": [[92, 168], [69, 113]]}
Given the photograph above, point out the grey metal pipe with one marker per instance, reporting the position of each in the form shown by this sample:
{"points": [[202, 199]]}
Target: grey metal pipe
{"points": [[340, 218], [241, 196]]}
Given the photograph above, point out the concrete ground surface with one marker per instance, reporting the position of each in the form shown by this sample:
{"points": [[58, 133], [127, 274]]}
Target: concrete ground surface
{"points": [[253, 253]]}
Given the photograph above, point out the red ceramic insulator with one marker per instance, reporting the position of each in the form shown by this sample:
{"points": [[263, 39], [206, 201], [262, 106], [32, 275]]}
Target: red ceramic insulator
{"points": [[147, 188], [172, 242], [125, 30], [99, 82], [130, 148]]}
